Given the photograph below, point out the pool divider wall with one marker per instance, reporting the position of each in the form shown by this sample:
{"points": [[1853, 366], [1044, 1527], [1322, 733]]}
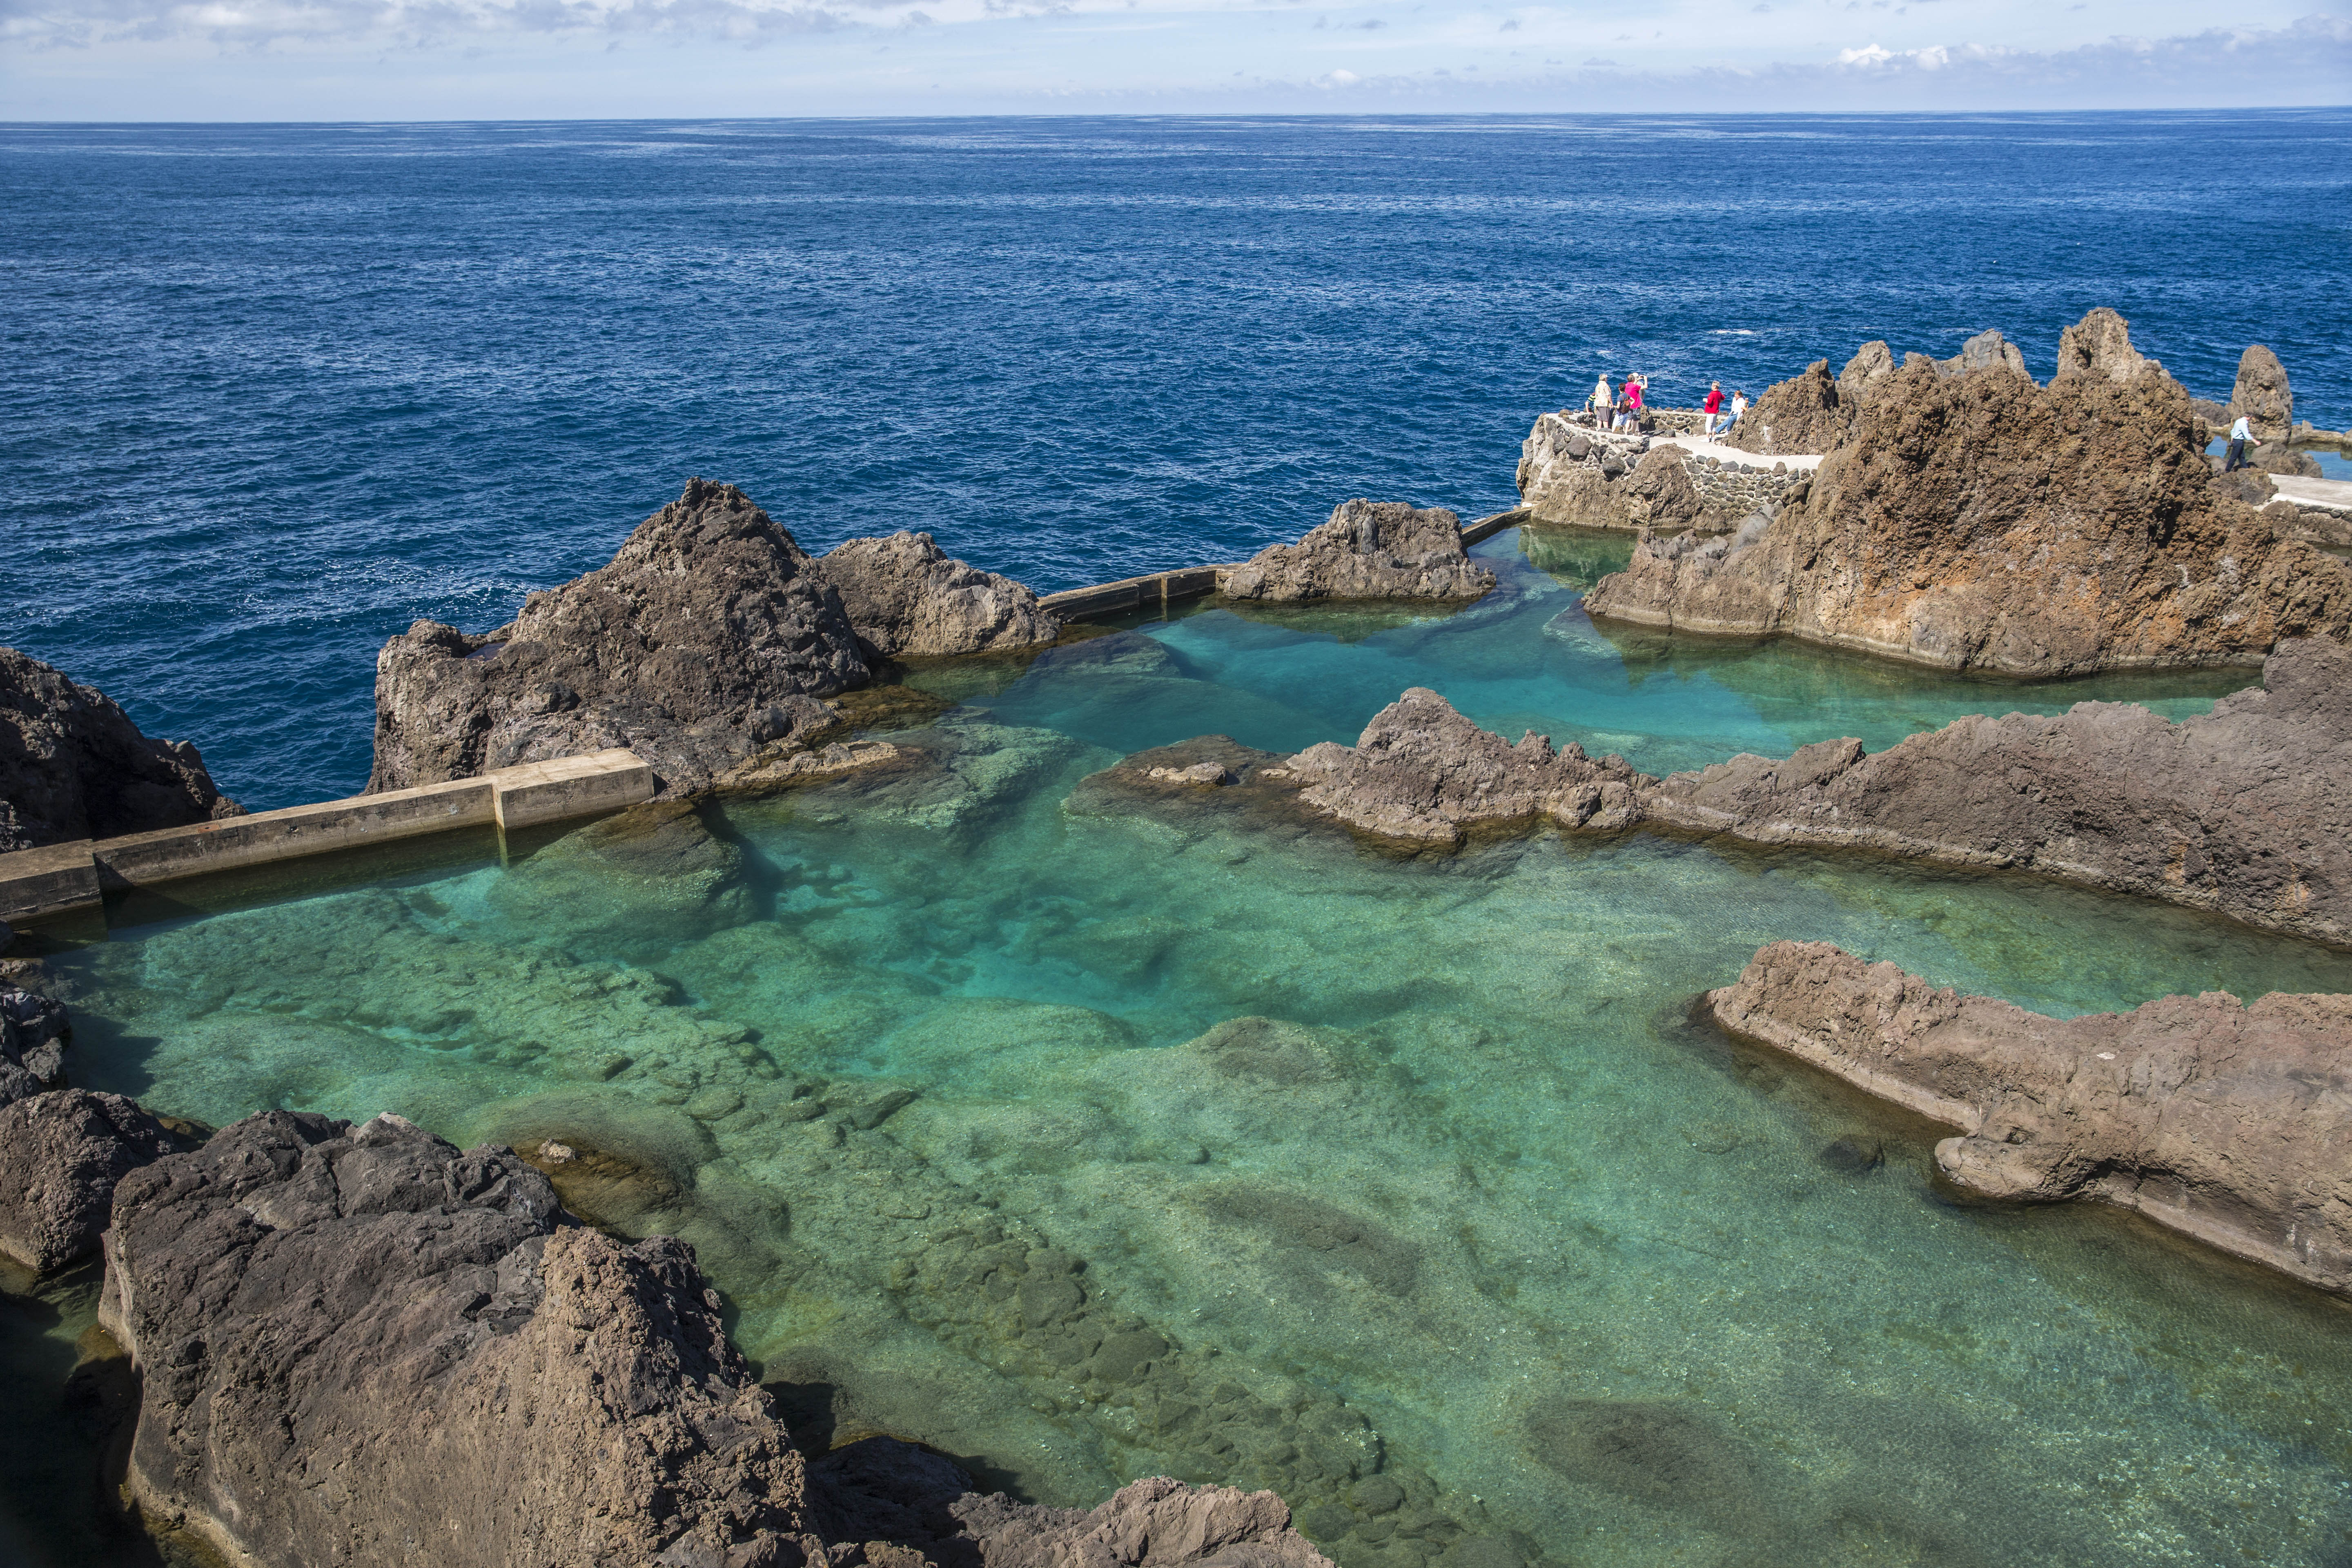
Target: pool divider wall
{"points": [[58, 880], [62, 880], [1158, 590]]}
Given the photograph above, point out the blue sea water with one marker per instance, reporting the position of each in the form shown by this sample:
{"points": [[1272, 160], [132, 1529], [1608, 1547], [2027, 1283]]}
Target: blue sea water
{"points": [[276, 392]]}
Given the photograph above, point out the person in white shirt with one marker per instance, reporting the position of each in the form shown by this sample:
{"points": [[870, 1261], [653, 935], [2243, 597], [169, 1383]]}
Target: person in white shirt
{"points": [[1602, 399], [1738, 407], [2240, 434]]}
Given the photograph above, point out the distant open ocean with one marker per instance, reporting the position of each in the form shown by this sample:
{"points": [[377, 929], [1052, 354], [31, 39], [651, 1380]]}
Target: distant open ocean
{"points": [[274, 392]]}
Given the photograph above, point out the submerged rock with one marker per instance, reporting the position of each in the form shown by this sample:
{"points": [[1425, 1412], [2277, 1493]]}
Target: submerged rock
{"points": [[61, 1155], [708, 635], [73, 765], [352, 1340], [2262, 396], [1421, 771], [1978, 522], [1151, 1522], [1366, 550], [2243, 811], [2218, 1119], [908, 598], [654, 872]]}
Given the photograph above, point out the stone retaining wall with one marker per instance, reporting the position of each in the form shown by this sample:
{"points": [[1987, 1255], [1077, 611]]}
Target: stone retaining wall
{"points": [[1572, 472]]}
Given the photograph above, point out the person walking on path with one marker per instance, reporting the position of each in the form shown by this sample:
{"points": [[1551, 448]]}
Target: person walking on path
{"points": [[2241, 432], [1714, 407], [1603, 400]]}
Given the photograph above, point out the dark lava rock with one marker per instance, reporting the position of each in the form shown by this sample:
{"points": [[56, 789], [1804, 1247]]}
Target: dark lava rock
{"points": [[709, 635], [1980, 522], [360, 1345], [2242, 810], [1421, 771], [33, 1034], [61, 1155], [1367, 550], [2224, 1121], [73, 765], [1811, 412], [1852, 1156], [908, 598]]}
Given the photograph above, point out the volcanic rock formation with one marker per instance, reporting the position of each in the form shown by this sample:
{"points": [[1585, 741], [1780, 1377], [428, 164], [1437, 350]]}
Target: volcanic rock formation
{"points": [[61, 1155], [1977, 520], [354, 1341], [907, 599], [706, 636], [1810, 412], [1983, 352], [1366, 550], [2098, 346], [421, 1337], [1421, 771], [2262, 396], [33, 1032], [1597, 478], [2243, 810], [73, 765], [2224, 1121]]}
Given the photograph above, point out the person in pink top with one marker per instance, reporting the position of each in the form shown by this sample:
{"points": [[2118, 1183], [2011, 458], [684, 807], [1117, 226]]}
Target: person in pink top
{"points": [[1635, 385]]}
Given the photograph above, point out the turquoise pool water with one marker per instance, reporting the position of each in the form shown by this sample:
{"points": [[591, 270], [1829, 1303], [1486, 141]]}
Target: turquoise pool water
{"points": [[1085, 1145]]}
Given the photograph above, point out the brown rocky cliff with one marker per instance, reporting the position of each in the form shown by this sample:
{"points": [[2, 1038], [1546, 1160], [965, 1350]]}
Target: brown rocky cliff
{"points": [[1977, 520], [908, 598], [2262, 396], [2224, 1121], [1366, 550]]}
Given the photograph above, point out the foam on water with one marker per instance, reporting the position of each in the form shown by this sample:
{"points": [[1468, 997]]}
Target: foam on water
{"points": [[1241, 1152]]}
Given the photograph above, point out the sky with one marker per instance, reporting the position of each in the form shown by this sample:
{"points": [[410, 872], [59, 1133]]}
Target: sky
{"points": [[529, 59]]}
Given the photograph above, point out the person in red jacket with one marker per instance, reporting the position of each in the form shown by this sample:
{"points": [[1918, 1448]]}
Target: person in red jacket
{"points": [[1714, 406]]}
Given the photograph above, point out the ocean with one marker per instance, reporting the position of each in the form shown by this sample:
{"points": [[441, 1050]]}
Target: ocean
{"points": [[276, 392]]}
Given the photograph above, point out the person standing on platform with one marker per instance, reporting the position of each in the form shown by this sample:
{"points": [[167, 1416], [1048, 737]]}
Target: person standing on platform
{"points": [[1635, 385], [2241, 432], [1713, 407], [1602, 399]]}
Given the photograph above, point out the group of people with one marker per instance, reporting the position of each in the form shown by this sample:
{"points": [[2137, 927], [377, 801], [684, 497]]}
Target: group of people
{"points": [[1622, 407]]}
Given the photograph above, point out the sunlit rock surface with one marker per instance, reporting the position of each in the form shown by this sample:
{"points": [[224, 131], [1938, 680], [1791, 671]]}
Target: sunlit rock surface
{"points": [[1366, 550], [2223, 1121]]}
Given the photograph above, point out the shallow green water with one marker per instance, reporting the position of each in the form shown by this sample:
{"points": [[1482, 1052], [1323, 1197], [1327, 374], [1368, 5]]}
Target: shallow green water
{"points": [[1246, 1153]]}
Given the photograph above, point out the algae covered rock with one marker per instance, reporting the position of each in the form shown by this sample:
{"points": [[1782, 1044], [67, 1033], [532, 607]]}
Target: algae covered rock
{"points": [[408, 1326], [907, 597], [2223, 1121], [73, 765], [1366, 550], [707, 636], [656, 872]]}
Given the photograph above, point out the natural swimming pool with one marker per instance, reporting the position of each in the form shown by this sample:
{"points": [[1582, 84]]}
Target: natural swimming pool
{"points": [[1260, 1156]]}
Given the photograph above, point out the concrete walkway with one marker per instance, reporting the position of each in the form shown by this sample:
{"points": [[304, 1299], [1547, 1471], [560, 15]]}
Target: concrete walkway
{"points": [[1702, 447], [2335, 495]]}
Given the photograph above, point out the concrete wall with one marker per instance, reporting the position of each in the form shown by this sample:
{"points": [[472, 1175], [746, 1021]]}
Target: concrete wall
{"points": [[60, 878]]}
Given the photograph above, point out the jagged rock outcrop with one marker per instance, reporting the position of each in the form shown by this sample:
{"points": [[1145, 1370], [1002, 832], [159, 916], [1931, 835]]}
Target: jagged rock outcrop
{"points": [[358, 1345], [2098, 346], [33, 1034], [1986, 351], [1366, 550], [1421, 771], [1659, 494], [1980, 522], [2224, 1121], [2243, 810], [907, 599], [2262, 396], [61, 1155], [706, 636], [1808, 412], [73, 765]]}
